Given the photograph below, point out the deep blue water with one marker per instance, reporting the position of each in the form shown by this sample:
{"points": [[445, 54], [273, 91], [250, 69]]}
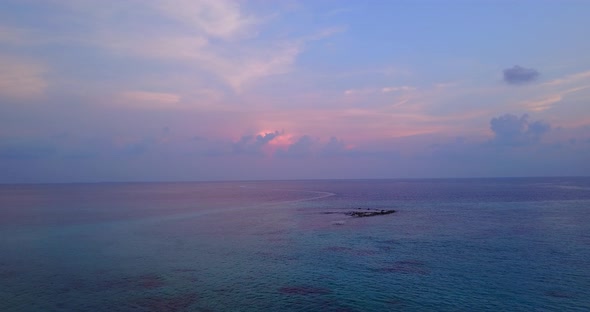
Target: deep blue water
{"points": [[453, 245]]}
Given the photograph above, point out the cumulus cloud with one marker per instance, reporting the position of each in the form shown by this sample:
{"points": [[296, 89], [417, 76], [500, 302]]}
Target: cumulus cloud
{"points": [[137, 148], [537, 129], [513, 130], [520, 75], [334, 147], [301, 148], [337, 147], [252, 145]]}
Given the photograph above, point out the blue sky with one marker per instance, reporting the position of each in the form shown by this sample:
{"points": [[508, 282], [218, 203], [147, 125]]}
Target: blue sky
{"points": [[218, 89]]}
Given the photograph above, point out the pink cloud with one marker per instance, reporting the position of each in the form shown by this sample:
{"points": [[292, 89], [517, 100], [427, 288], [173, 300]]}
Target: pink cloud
{"points": [[21, 78]]}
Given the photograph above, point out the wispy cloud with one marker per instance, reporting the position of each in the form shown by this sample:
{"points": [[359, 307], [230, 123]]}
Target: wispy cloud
{"points": [[147, 99], [542, 104], [397, 89], [212, 38], [375, 90], [569, 79], [13, 36], [556, 91], [21, 78], [215, 18]]}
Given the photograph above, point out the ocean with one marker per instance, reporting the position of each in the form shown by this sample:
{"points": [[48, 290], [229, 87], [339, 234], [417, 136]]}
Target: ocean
{"points": [[505, 244]]}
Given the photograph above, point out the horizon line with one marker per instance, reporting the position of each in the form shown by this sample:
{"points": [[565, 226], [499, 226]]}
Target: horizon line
{"points": [[289, 180]]}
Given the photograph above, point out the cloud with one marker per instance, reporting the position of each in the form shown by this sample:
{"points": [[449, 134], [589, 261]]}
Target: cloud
{"points": [[555, 93], [334, 147], [211, 37], [253, 145], [222, 43], [520, 75], [137, 148], [13, 36], [537, 129], [573, 78], [301, 148], [238, 73], [337, 147], [543, 104], [222, 19], [25, 149], [397, 89], [513, 130], [367, 91], [147, 99], [508, 127], [21, 78], [144, 96]]}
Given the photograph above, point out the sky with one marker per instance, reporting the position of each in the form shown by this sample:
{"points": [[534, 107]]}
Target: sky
{"points": [[200, 90]]}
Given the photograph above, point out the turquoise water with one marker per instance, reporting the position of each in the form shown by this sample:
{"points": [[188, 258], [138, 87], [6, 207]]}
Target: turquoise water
{"points": [[452, 245]]}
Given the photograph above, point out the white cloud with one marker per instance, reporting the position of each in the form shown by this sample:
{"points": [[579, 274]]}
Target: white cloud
{"points": [[215, 18]]}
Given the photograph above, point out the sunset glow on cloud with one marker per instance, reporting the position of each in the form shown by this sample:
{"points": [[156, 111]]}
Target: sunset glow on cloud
{"points": [[221, 89]]}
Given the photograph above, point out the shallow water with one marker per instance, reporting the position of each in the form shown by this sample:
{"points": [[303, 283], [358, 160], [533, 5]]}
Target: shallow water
{"points": [[452, 245]]}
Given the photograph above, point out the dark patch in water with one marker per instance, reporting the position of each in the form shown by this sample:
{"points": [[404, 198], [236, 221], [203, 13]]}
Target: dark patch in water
{"points": [[338, 249], [406, 267], [273, 232], [224, 290], [364, 252], [389, 242], [329, 304], [150, 281], [276, 257], [558, 294], [385, 248], [357, 252], [8, 274], [395, 302], [169, 303], [8, 271], [185, 270], [147, 281], [304, 290]]}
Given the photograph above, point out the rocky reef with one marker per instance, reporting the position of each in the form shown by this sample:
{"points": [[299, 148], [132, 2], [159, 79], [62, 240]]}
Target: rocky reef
{"points": [[368, 212]]}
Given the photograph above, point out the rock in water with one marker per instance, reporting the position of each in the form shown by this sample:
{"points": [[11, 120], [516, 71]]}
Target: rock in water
{"points": [[370, 213]]}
